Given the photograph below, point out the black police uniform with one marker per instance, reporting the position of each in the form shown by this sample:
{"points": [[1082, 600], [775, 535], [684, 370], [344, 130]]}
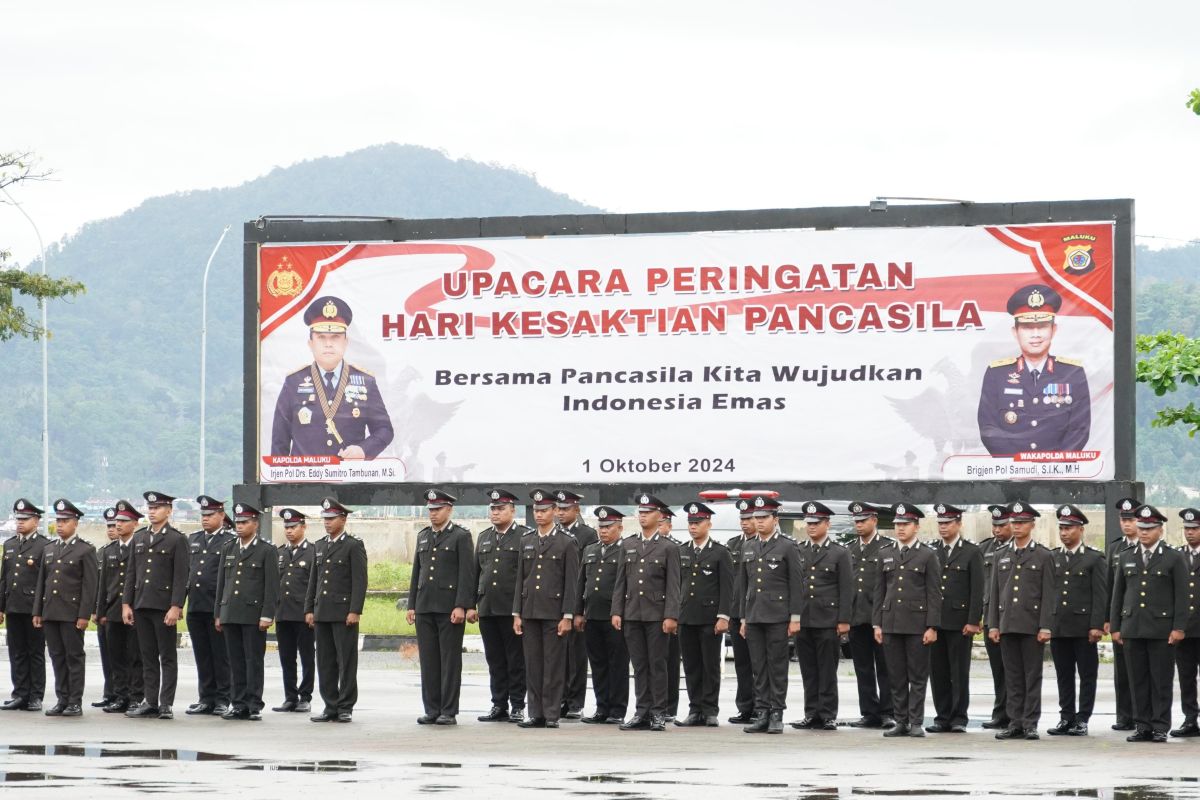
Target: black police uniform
{"points": [[606, 648], [646, 592], [155, 581], [65, 594], [442, 580], [497, 557], [337, 588], [706, 595], [547, 591], [295, 638], [247, 591], [1081, 581], [1150, 599], [870, 663], [1023, 603], [950, 656], [1187, 652], [770, 596], [575, 692], [1121, 687], [26, 644], [908, 602], [744, 698], [124, 655], [829, 588], [989, 548], [1025, 407], [102, 635], [208, 646]]}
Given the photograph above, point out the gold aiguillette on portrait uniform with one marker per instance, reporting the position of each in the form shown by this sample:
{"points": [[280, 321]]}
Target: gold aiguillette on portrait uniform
{"points": [[330, 407]]}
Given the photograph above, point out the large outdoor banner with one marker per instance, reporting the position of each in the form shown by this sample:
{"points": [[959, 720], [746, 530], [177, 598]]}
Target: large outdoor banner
{"points": [[736, 357]]}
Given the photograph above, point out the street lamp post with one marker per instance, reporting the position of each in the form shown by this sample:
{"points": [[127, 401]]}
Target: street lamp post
{"points": [[204, 351], [45, 373]]}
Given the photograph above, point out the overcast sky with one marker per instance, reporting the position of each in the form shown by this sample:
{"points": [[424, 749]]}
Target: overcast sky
{"points": [[630, 106]]}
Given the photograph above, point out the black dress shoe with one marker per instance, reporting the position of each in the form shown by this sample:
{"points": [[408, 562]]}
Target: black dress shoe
{"points": [[55, 710], [538, 722], [1186, 730], [444, 719], [302, 707], [220, 708], [347, 716], [15, 704], [573, 715], [551, 723], [1123, 725], [595, 719], [636, 723], [658, 722], [1009, 733], [116, 707], [142, 709], [806, 723], [254, 716], [937, 727], [516, 715], [897, 730], [165, 712], [103, 701], [234, 713], [741, 718], [288, 705], [33, 705], [959, 728], [330, 716], [867, 722], [1140, 736], [916, 732], [759, 724], [886, 722], [690, 721], [775, 722], [615, 721], [1063, 728], [1031, 734], [497, 714], [200, 708], [993, 724], [72, 710], [1078, 729], [1159, 737], [827, 725], [712, 722]]}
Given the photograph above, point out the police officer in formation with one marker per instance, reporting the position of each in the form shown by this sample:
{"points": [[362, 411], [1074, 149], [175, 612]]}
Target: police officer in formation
{"points": [[337, 590], [110, 529], [824, 619], [497, 557], [607, 653], [124, 654], [905, 617], [208, 646], [962, 611], [674, 657], [247, 592], [1149, 614], [567, 515], [1187, 652], [62, 607], [296, 640], [156, 583], [543, 610], [989, 548], [706, 595], [645, 607], [440, 593], [744, 698], [1127, 516], [18, 580], [1020, 618], [770, 601], [1081, 581], [870, 664]]}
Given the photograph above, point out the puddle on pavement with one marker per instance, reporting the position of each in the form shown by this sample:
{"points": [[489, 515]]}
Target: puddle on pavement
{"points": [[106, 750]]}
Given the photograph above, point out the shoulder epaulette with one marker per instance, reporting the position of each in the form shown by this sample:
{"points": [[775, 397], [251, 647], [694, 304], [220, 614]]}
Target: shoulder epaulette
{"points": [[1093, 549], [1003, 362], [1074, 362], [887, 540]]}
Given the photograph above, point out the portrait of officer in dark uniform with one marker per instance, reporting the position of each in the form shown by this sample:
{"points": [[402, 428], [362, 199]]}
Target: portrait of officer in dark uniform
{"points": [[1036, 400], [330, 407]]}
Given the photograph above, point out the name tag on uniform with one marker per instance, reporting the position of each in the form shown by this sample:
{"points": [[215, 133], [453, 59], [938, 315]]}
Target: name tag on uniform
{"points": [[888, 560], [529, 547], [1004, 561], [1014, 391]]}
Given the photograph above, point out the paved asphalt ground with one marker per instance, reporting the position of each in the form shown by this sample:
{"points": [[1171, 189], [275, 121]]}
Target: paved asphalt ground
{"points": [[384, 753]]}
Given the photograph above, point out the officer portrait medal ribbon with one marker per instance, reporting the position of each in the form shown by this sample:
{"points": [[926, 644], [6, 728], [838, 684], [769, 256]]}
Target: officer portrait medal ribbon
{"points": [[330, 407]]}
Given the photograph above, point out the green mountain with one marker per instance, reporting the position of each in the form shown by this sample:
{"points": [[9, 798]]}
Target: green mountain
{"points": [[124, 363]]}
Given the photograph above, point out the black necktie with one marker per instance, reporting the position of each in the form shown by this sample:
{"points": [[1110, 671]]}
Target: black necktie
{"points": [[329, 385], [1145, 557], [1036, 375]]}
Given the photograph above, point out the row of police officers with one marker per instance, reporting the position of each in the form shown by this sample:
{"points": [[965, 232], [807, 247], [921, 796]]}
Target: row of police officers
{"points": [[234, 585]]}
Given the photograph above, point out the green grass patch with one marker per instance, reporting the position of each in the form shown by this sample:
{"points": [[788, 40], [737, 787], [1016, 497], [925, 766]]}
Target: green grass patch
{"points": [[388, 576]]}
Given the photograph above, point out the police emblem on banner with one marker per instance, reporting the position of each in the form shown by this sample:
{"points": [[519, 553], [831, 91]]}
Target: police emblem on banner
{"points": [[1077, 259], [284, 280]]}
